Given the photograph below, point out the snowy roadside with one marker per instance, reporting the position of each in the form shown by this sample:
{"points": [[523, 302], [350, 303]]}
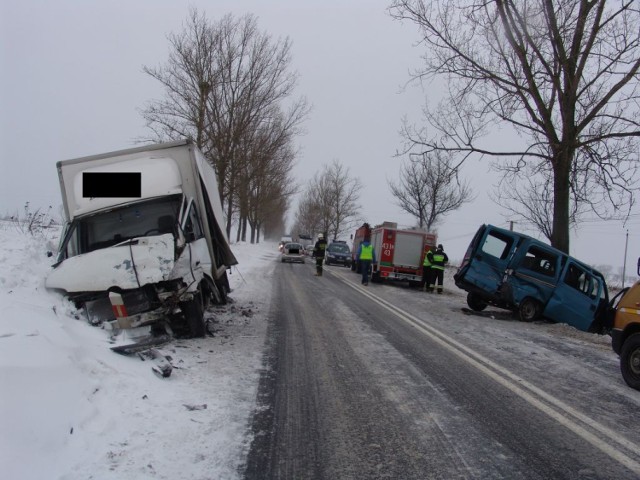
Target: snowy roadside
{"points": [[70, 408]]}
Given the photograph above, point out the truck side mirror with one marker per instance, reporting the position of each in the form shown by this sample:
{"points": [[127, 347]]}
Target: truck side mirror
{"points": [[638, 272]]}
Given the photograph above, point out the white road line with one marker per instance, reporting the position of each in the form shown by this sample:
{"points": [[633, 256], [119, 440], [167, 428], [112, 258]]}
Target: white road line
{"points": [[518, 385]]}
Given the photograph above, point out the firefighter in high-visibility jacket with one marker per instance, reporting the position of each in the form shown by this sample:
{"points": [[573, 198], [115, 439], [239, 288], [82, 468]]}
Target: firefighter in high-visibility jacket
{"points": [[426, 273], [438, 260], [365, 257]]}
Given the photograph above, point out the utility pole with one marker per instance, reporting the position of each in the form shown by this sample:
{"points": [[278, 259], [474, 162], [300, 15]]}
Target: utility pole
{"points": [[511, 222], [624, 265]]}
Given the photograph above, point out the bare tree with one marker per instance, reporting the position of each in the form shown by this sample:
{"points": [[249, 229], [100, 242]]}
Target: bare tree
{"points": [[429, 188], [269, 182], [562, 74], [341, 195], [224, 81], [330, 201], [528, 197], [308, 217]]}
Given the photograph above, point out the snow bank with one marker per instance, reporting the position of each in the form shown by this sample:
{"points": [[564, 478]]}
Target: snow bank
{"points": [[71, 408]]}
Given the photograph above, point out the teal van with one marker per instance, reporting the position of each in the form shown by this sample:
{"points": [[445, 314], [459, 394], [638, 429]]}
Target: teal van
{"points": [[517, 272]]}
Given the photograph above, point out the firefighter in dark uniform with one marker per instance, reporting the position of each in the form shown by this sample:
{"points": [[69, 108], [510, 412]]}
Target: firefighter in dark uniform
{"points": [[318, 253], [438, 260]]}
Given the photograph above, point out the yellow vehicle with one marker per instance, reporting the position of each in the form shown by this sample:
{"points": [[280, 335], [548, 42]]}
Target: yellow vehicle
{"points": [[625, 332]]}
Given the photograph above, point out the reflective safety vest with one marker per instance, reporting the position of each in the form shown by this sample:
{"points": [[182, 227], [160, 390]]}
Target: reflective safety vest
{"points": [[366, 252], [426, 262], [438, 261]]}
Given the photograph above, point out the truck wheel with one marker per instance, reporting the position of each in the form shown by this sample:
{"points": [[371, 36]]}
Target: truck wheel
{"points": [[476, 303], [193, 312], [210, 293], [221, 290], [529, 310], [630, 361]]}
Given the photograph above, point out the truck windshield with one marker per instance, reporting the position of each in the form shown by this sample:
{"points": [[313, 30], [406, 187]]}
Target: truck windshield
{"points": [[105, 229]]}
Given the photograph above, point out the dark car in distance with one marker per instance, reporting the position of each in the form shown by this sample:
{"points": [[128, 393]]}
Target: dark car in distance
{"points": [[338, 253]]}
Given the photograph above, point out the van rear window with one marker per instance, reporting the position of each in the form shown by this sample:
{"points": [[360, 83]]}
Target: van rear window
{"points": [[497, 245]]}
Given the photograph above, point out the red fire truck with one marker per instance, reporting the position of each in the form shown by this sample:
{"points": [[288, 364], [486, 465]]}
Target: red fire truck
{"points": [[400, 253]]}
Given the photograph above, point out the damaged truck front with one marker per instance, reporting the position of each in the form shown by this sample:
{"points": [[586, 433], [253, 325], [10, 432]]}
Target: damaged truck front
{"points": [[144, 244]]}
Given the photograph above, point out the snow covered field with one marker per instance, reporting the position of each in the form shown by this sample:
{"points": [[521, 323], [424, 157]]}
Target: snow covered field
{"points": [[70, 408]]}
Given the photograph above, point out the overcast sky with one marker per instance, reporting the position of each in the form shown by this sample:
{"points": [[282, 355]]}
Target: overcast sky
{"points": [[71, 84]]}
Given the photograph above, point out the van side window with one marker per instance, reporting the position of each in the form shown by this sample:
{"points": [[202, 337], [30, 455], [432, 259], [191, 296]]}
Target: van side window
{"points": [[540, 261], [192, 228], [581, 280], [497, 245]]}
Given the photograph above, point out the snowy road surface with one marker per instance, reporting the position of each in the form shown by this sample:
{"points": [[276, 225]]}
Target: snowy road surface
{"points": [[388, 382], [351, 382]]}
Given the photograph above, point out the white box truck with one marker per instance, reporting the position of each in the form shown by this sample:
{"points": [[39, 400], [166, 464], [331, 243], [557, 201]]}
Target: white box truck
{"points": [[144, 242]]}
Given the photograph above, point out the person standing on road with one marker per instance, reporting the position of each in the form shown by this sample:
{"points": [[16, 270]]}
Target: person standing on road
{"points": [[318, 253], [365, 257], [426, 273], [438, 260]]}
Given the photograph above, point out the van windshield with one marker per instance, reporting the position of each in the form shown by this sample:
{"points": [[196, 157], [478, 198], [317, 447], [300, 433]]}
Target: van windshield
{"points": [[104, 229]]}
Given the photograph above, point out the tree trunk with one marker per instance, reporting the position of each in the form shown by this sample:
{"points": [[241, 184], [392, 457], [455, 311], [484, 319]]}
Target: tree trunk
{"points": [[561, 191], [229, 211], [244, 228]]}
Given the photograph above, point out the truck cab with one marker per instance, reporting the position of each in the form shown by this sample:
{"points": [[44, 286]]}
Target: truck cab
{"points": [[625, 332], [144, 243]]}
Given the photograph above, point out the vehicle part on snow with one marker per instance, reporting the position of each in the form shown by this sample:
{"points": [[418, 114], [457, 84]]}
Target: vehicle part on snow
{"points": [[161, 363]]}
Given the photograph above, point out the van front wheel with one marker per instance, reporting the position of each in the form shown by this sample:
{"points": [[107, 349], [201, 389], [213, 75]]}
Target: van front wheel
{"points": [[529, 310], [630, 361]]}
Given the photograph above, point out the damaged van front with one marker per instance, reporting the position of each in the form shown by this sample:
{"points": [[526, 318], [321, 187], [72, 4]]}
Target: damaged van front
{"points": [[141, 254]]}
